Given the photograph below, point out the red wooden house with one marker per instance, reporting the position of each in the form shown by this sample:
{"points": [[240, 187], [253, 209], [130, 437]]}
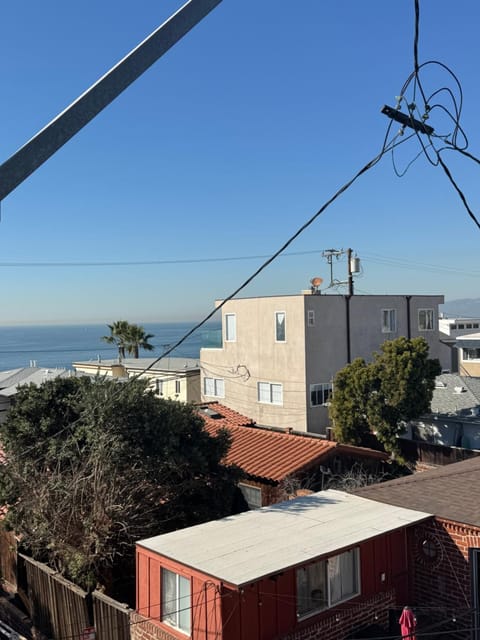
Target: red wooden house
{"points": [[326, 564]]}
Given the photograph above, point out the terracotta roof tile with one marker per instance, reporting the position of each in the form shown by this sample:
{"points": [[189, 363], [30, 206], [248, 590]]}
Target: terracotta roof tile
{"points": [[272, 455]]}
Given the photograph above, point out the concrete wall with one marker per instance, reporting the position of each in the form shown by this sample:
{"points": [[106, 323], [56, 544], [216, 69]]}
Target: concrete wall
{"points": [[256, 357], [323, 334]]}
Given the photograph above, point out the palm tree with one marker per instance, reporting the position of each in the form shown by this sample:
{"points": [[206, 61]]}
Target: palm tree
{"points": [[138, 339], [129, 338], [118, 336]]}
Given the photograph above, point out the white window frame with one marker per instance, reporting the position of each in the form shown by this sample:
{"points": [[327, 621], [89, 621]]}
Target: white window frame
{"points": [[328, 572], [159, 387], [214, 387], [177, 386], [230, 327], [278, 326], [325, 390], [389, 320], [310, 318], [252, 495], [423, 324], [175, 614], [270, 393], [466, 354]]}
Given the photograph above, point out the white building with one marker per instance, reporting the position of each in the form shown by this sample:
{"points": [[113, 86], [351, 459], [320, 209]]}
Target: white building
{"points": [[453, 357], [173, 378]]}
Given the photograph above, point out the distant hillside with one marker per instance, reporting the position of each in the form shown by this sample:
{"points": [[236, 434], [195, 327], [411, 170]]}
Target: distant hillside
{"points": [[468, 307]]}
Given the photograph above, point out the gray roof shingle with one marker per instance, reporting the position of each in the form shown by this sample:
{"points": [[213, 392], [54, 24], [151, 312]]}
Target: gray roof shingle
{"points": [[450, 492], [446, 401]]}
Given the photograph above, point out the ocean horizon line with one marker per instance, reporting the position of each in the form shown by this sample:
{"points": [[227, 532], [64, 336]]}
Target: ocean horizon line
{"points": [[13, 325]]}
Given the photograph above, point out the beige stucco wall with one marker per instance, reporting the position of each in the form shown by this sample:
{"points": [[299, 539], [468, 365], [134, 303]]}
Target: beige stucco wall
{"points": [[469, 368], [311, 354], [255, 357]]}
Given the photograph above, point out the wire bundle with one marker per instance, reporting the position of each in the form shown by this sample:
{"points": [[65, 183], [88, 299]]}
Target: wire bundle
{"points": [[446, 100]]}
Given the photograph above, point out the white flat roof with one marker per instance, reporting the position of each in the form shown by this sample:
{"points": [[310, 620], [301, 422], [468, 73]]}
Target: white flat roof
{"points": [[248, 546], [164, 364], [469, 336]]}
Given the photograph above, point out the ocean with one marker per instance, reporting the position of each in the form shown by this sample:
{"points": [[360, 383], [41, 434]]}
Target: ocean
{"points": [[60, 345]]}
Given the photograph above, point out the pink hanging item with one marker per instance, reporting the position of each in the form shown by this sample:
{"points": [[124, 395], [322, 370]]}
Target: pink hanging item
{"points": [[408, 623]]}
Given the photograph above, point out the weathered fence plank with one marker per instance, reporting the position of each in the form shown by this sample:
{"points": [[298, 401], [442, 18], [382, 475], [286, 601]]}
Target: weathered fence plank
{"points": [[57, 606], [112, 618], [8, 558]]}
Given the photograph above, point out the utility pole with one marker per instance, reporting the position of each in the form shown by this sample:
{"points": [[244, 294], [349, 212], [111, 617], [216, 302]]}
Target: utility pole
{"points": [[353, 267]]}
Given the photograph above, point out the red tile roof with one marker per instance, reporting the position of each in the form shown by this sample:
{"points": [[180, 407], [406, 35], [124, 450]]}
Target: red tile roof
{"points": [[272, 455]]}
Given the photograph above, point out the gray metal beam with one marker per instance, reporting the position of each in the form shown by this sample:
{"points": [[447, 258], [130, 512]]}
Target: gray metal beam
{"points": [[47, 141]]}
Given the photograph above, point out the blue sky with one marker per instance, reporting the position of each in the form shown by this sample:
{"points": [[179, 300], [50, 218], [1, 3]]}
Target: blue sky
{"points": [[226, 146]]}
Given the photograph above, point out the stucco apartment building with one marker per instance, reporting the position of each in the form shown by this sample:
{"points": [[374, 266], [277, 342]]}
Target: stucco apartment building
{"points": [[279, 354], [460, 341]]}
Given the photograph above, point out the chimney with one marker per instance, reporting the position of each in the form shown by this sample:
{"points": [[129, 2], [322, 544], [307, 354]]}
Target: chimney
{"points": [[118, 371]]}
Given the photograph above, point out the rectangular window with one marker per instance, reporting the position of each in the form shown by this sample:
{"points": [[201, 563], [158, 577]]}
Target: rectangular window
{"points": [[471, 354], [270, 393], [320, 393], [159, 387], [230, 327], [177, 386], [280, 326], [461, 326], [214, 387], [389, 320], [425, 320], [176, 601], [252, 495], [468, 326], [475, 325], [311, 318], [328, 582]]}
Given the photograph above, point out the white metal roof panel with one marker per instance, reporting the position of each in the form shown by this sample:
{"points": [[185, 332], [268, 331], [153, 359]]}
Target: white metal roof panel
{"points": [[243, 548]]}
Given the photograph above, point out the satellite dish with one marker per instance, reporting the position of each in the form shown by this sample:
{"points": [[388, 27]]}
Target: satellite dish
{"points": [[316, 282]]}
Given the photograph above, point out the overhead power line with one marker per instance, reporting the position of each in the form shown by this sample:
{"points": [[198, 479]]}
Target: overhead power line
{"points": [[140, 263]]}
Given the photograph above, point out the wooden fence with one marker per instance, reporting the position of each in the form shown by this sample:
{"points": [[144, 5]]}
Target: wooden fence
{"points": [[8, 558], [112, 618], [433, 454], [57, 607]]}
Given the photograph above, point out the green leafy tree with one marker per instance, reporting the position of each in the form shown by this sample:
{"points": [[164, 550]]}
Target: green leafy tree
{"points": [[129, 338], [353, 387], [92, 465], [379, 397]]}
